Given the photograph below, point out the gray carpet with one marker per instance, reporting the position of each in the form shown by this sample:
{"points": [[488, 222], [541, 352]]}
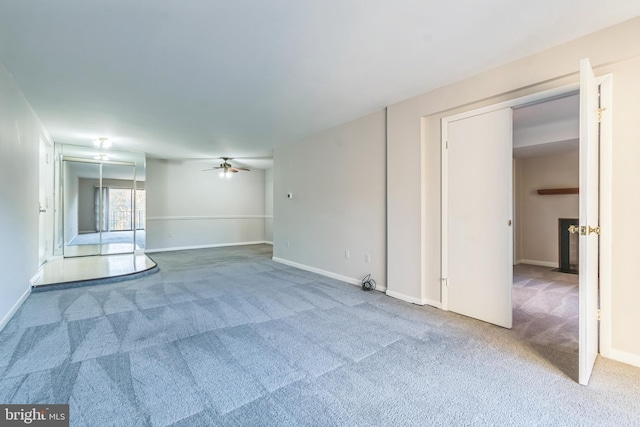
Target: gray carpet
{"points": [[545, 314], [228, 337]]}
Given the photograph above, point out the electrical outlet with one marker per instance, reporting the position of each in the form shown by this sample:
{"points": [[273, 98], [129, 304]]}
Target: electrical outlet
{"points": [[367, 258], [170, 235], [347, 254], [287, 243]]}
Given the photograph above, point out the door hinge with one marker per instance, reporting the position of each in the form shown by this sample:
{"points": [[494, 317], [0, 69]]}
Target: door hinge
{"points": [[600, 111], [446, 145], [598, 314], [445, 281]]}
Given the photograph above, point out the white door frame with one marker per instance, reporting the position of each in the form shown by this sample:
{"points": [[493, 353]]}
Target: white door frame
{"points": [[605, 193], [45, 190]]}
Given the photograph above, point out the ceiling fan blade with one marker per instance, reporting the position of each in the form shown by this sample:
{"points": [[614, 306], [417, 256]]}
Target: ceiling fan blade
{"points": [[242, 169], [234, 170]]}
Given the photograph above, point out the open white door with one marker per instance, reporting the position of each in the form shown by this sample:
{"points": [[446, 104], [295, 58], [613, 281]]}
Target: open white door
{"points": [[477, 217], [589, 220]]}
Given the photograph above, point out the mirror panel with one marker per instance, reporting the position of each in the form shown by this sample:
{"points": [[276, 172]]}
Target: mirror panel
{"points": [[83, 194], [80, 221], [119, 208]]}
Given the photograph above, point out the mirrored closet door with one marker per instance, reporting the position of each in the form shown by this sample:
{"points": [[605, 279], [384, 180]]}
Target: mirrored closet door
{"points": [[99, 207]]}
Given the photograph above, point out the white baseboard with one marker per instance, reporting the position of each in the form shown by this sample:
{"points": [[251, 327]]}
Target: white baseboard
{"points": [[432, 303], [268, 243], [15, 308], [36, 277], [350, 280], [217, 245], [414, 300], [540, 263], [624, 357]]}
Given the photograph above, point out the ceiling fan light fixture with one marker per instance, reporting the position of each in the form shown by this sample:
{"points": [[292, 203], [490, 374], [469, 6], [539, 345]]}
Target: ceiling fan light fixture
{"points": [[226, 169], [102, 142]]}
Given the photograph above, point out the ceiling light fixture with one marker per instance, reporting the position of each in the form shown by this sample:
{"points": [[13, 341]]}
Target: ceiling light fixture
{"points": [[102, 142], [227, 170]]}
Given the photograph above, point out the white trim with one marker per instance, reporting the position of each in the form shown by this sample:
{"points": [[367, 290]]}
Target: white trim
{"points": [[15, 308], [36, 277], [516, 102], [514, 210], [624, 357], [268, 242], [540, 263], [414, 300], [336, 276], [444, 214], [204, 218], [423, 206], [216, 245], [431, 302], [606, 169]]}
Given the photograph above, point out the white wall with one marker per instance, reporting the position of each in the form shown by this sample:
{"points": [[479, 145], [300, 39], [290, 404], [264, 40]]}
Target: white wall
{"points": [[537, 224], [413, 186], [20, 131], [187, 207], [337, 179], [268, 205]]}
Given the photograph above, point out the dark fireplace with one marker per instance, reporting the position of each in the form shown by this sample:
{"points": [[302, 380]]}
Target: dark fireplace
{"points": [[567, 246]]}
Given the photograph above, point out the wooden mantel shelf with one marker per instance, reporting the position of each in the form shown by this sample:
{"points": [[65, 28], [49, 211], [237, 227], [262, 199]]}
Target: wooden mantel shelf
{"points": [[554, 191]]}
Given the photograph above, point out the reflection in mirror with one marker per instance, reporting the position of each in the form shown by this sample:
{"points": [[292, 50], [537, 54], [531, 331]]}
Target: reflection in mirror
{"points": [[78, 210], [100, 201], [120, 210]]}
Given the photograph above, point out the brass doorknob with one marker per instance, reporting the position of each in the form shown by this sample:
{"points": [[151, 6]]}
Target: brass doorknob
{"points": [[584, 230]]}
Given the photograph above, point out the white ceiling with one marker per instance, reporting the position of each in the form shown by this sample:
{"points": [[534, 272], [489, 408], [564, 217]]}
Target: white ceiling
{"points": [[209, 78]]}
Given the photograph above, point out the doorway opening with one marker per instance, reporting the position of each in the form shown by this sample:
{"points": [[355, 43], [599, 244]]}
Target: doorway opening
{"points": [[546, 179]]}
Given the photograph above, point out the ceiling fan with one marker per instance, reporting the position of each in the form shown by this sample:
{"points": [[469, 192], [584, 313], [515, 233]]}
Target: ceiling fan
{"points": [[226, 168]]}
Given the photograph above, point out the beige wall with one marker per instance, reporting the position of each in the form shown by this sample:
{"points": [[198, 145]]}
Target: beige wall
{"points": [[537, 216], [413, 166], [626, 208], [337, 179]]}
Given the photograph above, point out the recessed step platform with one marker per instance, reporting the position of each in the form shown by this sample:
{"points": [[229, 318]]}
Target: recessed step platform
{"points": [[92, 270]]}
